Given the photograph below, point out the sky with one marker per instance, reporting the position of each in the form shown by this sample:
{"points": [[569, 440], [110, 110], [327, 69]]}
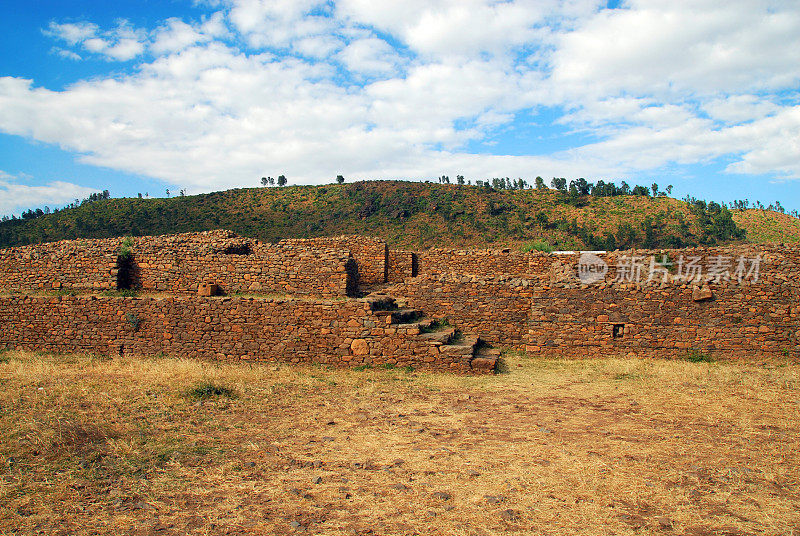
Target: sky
{"points": [[141, 96]]}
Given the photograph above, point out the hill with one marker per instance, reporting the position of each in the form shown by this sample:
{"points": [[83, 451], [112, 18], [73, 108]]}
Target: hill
{"points": [[768, 226], [416, 215]]}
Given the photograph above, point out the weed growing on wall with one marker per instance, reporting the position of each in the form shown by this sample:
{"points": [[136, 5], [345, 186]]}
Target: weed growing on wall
{"points": [[133, 320], [537, 245]]}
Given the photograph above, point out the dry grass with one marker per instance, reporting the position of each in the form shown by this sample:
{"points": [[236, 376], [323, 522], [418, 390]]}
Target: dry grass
{"points": [[93, 446]]}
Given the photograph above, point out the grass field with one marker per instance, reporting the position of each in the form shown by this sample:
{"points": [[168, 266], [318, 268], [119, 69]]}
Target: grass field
{"points": [[552, 447]]}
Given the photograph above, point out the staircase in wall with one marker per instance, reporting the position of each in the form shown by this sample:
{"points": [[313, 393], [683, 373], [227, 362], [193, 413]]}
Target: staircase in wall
{"points": [[451, 342]]}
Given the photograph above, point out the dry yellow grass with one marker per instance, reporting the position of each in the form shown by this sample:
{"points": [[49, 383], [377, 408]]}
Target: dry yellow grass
{"points": [[554, 447]]}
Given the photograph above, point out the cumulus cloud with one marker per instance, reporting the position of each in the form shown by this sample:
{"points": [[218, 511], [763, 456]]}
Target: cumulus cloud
{"points": [[16, 197], [398, 90], [370, 56], [122, 43], [683, 46]]}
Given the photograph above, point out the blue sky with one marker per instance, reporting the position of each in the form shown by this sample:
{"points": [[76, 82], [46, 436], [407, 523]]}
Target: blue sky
{"points": [[206, 95]]}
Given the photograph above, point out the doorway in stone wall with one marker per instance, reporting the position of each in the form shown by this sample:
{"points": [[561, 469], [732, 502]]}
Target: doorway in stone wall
{"points": [[127, 272]]}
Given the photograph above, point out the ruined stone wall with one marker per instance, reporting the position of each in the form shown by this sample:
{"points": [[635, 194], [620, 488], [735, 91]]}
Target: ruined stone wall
{"points": [[496, 308], [402, 264], [487, 263], [508, 310], [775, 261], [342, 332], [490, 263], [748, 322], [177, 263], [371, 254], [68, 264]]}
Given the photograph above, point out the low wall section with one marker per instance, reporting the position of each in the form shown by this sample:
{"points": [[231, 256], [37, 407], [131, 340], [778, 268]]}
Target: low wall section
{"points": [[487, 263], [738, 322], [402, 264], [340, 332], [495, 308]]}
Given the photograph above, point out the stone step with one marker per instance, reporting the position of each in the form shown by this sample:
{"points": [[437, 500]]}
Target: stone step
{"points": [[440, 336], [380, 302], [464, 346], [405, 315], [485, 360]]}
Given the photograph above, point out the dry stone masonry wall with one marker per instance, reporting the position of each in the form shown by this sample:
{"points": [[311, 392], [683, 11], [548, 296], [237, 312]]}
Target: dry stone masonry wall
{"points": [[532, 301], [747, 322], [176, 264], [231, 329], [496, 307], [68, 264], [371, 254]]}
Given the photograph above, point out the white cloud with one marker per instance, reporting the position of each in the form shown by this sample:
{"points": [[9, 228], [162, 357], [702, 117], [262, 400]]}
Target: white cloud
{"points": [[739, 108], [655, 83], [276, 23], [67, 54], [681, 47], [16, 198], [176, 35], [72, 33], [370, 56], [122, 43], [320, 46]]}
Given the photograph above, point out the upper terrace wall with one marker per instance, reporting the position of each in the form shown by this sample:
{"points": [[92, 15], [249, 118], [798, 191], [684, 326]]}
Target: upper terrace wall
{"points": [[88, 264], [478, 262], [371, 254], [339, 332], [538, 265], [178, 263]]}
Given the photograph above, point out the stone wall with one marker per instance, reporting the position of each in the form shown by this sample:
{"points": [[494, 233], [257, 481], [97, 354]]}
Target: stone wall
{"points": [[402, 264], [177, 263], [748, 322], [343, 332], [497, 308], [371, 254], [490, 263], [521, 300], [68, 264], [487, 263]]}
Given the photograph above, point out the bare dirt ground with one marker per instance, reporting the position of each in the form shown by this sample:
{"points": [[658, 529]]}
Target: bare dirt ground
{"points": [[551, 447]]}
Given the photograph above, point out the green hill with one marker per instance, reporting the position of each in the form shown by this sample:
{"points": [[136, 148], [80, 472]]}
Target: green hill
{"points": [[410, 214]]}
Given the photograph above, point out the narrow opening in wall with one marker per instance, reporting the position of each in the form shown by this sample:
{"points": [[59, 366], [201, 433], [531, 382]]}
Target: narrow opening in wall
{"points": [[351, 268], [414, 265], [617, 330], [125, 275]]}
